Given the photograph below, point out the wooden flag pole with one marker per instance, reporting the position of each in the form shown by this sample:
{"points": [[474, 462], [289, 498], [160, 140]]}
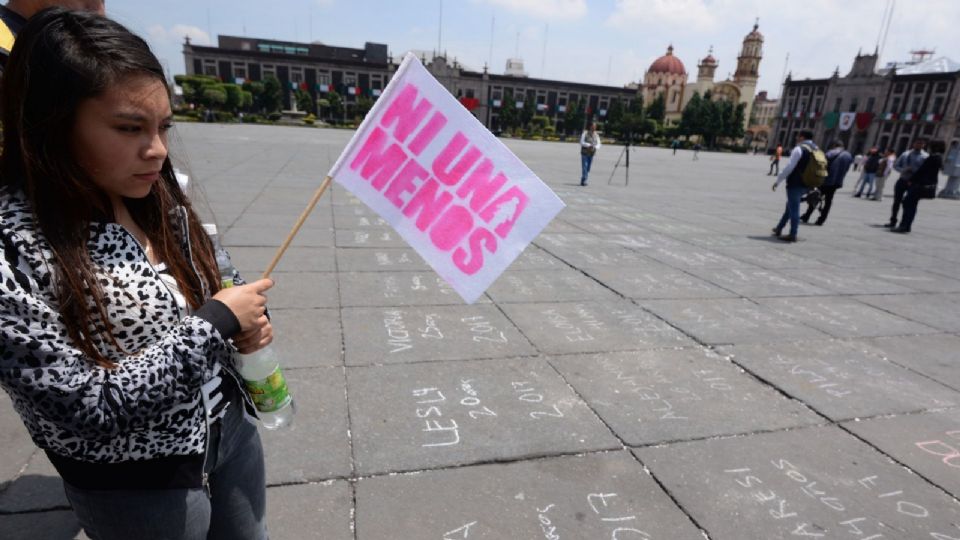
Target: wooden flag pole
{"points": [[296, 227]]}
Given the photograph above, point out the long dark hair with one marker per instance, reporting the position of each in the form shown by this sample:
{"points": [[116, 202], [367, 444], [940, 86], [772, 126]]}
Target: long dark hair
{"points": [[60, 59]]}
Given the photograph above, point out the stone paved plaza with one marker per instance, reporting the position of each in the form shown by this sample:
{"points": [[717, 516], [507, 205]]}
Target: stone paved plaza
{"points": [[654, 367]]}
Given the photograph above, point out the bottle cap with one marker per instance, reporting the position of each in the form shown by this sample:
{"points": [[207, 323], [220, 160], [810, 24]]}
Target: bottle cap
{"points": [[210, 228]]}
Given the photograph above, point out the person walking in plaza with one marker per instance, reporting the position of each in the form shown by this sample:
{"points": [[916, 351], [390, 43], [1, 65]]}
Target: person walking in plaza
{"points": [[922, 185], [696, 152], [117, 338], [951, 166], [886, 168], [838, 163], [589, 144], [857, 162], [674, 144], [775, 161], [800, 158], [870, 167], [907, 164]]}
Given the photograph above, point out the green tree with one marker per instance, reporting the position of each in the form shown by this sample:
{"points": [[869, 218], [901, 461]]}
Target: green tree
{"points": [[304, 101], [364, 104], [509, 114], [234, 96], [246, 100], [528, 111], [255, 89], [575, 117], [271, 100], [613, 124], [334, 106], [658, 108], [691, 120], [214, 96]]}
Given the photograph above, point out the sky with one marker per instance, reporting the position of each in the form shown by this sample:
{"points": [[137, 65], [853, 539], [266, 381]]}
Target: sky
{"points": [[593, 41]]}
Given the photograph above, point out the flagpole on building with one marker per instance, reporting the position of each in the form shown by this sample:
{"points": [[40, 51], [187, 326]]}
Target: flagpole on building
{"points": [[296, 227]]}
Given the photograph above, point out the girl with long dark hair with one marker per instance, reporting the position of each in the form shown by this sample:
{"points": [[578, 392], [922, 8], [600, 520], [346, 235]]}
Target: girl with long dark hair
{"points": [[116, 339]]}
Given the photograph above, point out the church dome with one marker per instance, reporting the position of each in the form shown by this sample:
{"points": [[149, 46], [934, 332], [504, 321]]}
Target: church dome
{"points": [[709, 60], [668, 64]]}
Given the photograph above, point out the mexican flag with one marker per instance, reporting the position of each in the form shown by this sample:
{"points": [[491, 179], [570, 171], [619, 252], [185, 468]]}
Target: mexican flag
{"points": [[908, 117]]}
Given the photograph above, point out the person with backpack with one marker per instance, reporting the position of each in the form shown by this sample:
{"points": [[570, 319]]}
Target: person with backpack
{"points": [[871, 165], [806, 170], [907, 164], [922, 185], [838, 163]]}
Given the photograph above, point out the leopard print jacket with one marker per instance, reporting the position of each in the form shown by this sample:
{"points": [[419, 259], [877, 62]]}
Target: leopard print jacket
{"points": [[151, 405]]}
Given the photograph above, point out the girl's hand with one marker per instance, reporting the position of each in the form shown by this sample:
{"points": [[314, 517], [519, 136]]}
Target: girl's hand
{"points": [[248, 303], [254, 340]]}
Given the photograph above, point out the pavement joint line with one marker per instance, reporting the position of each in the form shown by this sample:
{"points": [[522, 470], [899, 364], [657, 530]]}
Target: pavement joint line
{"points": [[839, 424], [262, 190]]}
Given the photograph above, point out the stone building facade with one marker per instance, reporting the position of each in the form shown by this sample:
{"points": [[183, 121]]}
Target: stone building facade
{"points": [[352, 73], [667, 75], [870, 107]]}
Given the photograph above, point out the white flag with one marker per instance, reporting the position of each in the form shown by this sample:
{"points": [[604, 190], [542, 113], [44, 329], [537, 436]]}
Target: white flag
{"points": [[450, 188]]}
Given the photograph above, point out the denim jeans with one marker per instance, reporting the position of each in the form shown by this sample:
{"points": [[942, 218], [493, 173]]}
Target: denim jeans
{"points": [[868, 179], [235, 509], [585, 162], [792, 211]]}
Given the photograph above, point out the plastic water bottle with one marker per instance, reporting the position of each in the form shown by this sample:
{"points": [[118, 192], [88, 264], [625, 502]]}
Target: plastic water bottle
{"points": [[265, 383], [260, 371]]}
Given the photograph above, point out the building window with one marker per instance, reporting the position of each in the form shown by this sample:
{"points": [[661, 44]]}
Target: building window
{"points": [[323, 77], [793, 91], [820, 91], [919, 88], [836, 105], [930, 130], [210, 67], [916, 105], [470, 93], [937, 105], [806, 91], [853, 105], [898, 88], [941, 87], [239, 71], [896, 106], [296, 74], [870, 104], [376, 82], [269, 70]]}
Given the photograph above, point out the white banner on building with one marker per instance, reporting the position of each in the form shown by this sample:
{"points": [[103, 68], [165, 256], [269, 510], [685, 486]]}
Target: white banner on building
{"points": [[846, 120]]}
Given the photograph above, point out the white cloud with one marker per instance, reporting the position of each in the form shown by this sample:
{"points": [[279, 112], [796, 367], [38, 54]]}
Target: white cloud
{"points": [[545, 9], [325, 3], [177, 32], [688, 14]]}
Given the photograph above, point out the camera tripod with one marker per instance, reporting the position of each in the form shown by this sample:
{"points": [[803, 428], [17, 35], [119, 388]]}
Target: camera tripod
{"points": [[625, 153]]}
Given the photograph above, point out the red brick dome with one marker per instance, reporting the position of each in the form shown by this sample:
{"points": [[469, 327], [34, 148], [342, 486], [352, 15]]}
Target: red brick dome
{"points": [[668, 64]]}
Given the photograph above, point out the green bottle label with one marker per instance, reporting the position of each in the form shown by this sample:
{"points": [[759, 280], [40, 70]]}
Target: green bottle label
{"points": [[269, 394], [226, 282]]}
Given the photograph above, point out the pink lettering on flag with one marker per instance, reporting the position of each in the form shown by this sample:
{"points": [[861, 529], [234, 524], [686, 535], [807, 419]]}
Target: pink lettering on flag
{"points": [[442, 165], [405, 114], [506, 209], [470, 264], [481, 185], [452, 227], [377, 159], [404, 182], [428, 133], [428, 202]]}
